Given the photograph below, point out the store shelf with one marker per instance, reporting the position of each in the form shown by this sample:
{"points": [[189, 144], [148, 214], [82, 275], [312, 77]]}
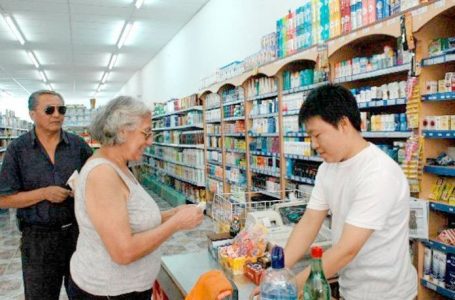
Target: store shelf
{"points": [[382, 103], [301, 157], [213, 121], [264, 96], [176, 162], [442, 291], [233, 102], [439, 97], [266, 172], [213, 149], [235, 150], [178, 127], [439, 246], [373, 74], [213, 162], [8, 137], [387, 134], [291, 112], [264, 116], [296, 134], [213, 107], [235, 166], [198, 108], [264, 134], [234, 118], [441, 171], [304, 88], [181, 178], [239, 134], [264, 153], [215, 178], [267, 193], [213, 134], [439, 59], [301, 179], [195, 146], [439, 134], [442, 207], [231, 182]]}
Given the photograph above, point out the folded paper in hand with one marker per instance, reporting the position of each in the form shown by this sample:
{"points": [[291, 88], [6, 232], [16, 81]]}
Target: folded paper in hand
{"points": [[72, 181]]}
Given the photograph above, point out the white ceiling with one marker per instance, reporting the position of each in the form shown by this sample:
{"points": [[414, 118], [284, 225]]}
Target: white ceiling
{"points": [[73, 41]]}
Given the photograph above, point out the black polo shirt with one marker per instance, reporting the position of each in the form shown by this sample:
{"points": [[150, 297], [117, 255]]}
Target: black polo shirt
{"points": [[26, 166]]}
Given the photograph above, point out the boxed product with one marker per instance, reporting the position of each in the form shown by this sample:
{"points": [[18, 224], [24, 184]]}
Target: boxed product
{"points": [[217, 240], [450, 272], [253, 271]]}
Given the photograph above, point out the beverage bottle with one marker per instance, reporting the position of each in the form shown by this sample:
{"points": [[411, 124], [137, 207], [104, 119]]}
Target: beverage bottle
{"points": [[234, 228], [278, 283], [316, 287]]}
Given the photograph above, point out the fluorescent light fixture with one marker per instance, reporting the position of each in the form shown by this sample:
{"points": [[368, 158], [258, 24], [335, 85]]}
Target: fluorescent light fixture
{"points": [[100, 86], [43, 76], [33, 58], [105, 76], [113, 61], [139, 3], [49, 86], [12, 26], [126, 31]]}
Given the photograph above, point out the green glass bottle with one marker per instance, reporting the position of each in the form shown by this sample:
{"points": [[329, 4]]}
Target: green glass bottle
{"points": [[316, 287]]}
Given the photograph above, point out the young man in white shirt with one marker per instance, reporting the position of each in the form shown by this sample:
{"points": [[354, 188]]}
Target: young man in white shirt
{"points": [[368, 197]]}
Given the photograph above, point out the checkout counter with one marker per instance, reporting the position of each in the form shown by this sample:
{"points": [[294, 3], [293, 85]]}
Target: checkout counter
{"points": [[179, 273]]}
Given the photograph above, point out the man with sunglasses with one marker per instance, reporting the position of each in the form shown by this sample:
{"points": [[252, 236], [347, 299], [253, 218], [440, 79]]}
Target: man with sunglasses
{"points": [[34, 176]]}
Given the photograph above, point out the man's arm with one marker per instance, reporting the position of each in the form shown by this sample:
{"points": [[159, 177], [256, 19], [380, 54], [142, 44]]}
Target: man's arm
{"points": [[303, 235], [334, 259], [54, 194]]}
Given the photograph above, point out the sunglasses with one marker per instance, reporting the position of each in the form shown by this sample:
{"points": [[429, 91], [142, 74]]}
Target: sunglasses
{"points": [[147, 133], [49, 110]]}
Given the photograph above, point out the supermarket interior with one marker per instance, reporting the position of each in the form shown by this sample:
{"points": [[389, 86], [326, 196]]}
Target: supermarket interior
{"points": [[227, 149]]}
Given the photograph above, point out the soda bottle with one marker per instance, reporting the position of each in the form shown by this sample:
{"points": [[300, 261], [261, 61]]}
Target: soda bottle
{"points": [[278, 283], [316, 287]]}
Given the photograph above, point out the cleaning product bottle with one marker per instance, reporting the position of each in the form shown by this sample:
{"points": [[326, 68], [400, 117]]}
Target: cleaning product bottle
{"points": [[278, 283], [316, 287]]}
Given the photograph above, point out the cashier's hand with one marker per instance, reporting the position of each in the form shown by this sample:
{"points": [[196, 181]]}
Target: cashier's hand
{"points": [[255, 294], [188, 217], [55, 194]]}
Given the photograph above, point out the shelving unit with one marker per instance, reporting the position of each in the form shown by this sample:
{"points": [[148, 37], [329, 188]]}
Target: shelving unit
{"points": [[432, 68], [176, 158]]}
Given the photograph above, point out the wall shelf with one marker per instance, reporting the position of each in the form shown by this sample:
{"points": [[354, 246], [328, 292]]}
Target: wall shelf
{"points": [[373, 74], [441, 171], [233, 102], [235, 150], [234, 118], [442, 291], [267, 193], [264, 153], [439, 134], [236, 167], [439, 246], [240, 134], [195, 146], [296, 134], [301, 157], [439, 97], [304, 88], [265, 172], [265, 96], [438, 59], [178, 127], [213, 162], [176, 162], [442, 207], [387, 134], [215, 178], [264, 116], [194, 108], [199, 184], [382, 103], [214, 149], [271, 134], [291, 113], [301, 179]]}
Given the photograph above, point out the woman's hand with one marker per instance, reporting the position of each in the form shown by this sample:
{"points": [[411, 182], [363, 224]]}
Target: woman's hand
{"points": [[188, 217]]}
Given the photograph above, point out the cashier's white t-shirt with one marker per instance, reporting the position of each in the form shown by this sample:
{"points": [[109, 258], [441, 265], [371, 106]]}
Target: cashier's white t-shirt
{"points": [[370, 191]]}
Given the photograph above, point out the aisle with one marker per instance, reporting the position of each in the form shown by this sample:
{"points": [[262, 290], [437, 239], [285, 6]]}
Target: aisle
{"points": [[10, 259]]}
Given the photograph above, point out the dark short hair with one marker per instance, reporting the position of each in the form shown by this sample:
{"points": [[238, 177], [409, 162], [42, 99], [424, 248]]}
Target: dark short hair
{"points": [[331, 102], [33, 99]]}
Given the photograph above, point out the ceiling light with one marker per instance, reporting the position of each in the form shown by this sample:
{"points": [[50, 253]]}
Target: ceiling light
{"points": [[105, 76], [43, 76], [100, 86], [126, 31], [12, 26], [139, 3], [33, 58], [113, 61], [49, 86]]}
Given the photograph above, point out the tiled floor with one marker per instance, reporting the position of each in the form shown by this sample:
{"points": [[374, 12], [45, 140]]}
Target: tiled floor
{"points": [[11, 286]]}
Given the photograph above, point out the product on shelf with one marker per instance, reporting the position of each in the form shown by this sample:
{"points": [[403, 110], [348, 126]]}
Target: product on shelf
{"points": [[212, 100], [236, 159], [443, 191], [214, 142], [294, 146], [301, 168], [291, 124], [265, 125], [213, 115], [384, 122], [190, 118], [261, 86], [234, 127], [302, 78], [438, 267], [392, 90], [234, 144], [265, 145], [265, 163], [445, 85], [264, 106], [446, 122], [441, 45], [214, 156], [266, 183], [236, 176], [234, 110], [233, 95], [193, 157]]}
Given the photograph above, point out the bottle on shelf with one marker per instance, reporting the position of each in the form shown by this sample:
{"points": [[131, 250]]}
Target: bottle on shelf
{"points": [[316, 287], [278, 282]]}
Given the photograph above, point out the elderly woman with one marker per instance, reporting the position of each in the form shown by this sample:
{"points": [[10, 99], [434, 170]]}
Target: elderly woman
{"points": [[121, 227]]}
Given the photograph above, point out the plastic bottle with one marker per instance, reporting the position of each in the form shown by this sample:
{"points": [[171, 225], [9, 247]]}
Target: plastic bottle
{"points": [[316, 287], [278, 283]]}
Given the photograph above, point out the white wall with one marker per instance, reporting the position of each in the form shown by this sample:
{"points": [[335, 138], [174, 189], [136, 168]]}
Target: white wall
{"points": [[223, 31]]}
